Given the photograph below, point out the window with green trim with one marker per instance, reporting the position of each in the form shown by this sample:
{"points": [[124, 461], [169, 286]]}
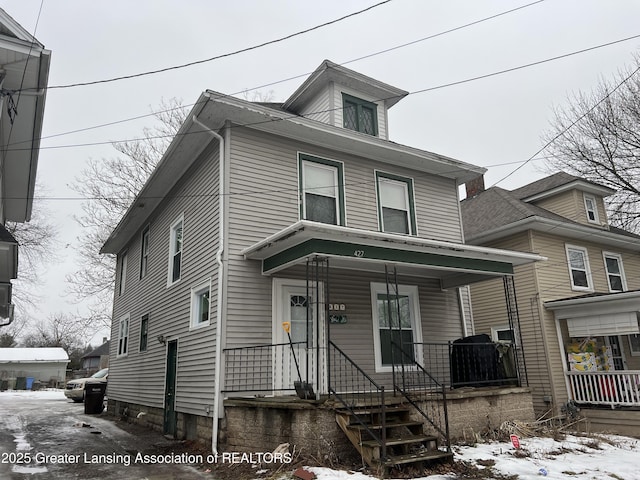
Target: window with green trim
{"points": [[321, 190], [359, 115], [396, 209]]}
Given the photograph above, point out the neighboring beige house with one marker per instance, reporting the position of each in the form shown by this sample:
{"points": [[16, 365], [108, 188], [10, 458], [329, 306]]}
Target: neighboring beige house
{"points": [[578, 310], [24, 72], [300, 214]]}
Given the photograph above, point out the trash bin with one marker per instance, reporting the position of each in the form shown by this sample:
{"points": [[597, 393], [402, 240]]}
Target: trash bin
{"points": [[21, 383], [94, 397], [29, 383]]}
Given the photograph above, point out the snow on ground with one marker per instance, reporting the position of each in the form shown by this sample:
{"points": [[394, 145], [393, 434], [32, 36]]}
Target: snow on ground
{"points": [[577, 458], [49, 393]]}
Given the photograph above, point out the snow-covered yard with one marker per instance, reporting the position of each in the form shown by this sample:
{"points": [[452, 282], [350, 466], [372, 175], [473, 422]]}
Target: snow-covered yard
{"points": [[592, 457]]}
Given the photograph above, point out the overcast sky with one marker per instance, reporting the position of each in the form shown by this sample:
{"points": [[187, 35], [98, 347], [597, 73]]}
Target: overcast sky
{"points": [[492, 122]]}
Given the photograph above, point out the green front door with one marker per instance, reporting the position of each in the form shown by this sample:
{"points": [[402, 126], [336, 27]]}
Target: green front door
{"points": [[170, 417]]}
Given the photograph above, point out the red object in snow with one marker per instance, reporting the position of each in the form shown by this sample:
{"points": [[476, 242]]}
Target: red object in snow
{"points": [[304, 474], [515, 441]]}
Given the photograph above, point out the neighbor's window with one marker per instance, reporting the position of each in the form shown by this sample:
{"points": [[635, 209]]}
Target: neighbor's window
{"points": [[175, 250], [123, 273], [200, 305], [321, 190], [123, 336], [591, 207], [396, 210], [359, 115], [503, 334], [144, 332], [615, 272], [144, 252], [578, 262]]}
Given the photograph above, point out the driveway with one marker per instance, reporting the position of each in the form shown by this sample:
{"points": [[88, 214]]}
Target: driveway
{"points": [[43, 435]]}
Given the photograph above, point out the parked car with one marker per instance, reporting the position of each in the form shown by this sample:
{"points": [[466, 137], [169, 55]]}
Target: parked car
{"points": [[75, 387]]}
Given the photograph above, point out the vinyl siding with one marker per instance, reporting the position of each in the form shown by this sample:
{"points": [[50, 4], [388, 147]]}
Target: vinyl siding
{"points": [[571, 205], [139, 377], [320, 108]]}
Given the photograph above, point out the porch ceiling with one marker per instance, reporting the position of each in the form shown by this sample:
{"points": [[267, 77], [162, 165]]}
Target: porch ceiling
{"points": [[348, 248]]}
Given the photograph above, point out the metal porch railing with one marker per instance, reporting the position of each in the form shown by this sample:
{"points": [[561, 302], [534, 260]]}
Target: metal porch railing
{"points": [[423, 391], [612, 388], [353, 388], [263, 368], [458, 364]]}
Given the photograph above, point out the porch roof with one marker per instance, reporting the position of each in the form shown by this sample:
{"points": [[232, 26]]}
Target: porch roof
{"points": [[455, 264]]}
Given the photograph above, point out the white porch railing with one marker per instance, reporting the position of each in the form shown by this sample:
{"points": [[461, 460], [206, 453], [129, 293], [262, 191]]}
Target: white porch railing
{"points": [[614, 388]]}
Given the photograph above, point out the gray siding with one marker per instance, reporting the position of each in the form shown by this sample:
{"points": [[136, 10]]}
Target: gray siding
{"points": [[320, 107], [139, 377]]}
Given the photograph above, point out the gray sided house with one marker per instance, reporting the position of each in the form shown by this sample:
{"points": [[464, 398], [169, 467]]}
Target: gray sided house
{"points": [[286, 264], [579, 310]]}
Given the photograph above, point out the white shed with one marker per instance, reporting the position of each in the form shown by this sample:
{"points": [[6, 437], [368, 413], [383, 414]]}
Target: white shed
{"points": [[20, 367]]}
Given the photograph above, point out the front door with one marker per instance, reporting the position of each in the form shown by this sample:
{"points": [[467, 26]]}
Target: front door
{"points": [[170, 417], [296, 354]]}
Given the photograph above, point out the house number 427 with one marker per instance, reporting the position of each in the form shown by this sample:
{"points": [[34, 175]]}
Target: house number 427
{"points": [[358, 253]]}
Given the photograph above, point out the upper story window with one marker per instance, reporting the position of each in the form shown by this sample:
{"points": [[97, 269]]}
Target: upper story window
{"points": [[359, 115], [144, 253], [144, 332], [615, 272], [591, 207], [322, 190], [578, 262], [123, 336], [122, 279], [396, 209], [200, 305], [175, 250]]}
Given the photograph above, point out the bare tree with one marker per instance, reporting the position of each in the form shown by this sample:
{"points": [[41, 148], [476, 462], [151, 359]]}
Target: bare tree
{"points": [[598, 138], [109, 186]]}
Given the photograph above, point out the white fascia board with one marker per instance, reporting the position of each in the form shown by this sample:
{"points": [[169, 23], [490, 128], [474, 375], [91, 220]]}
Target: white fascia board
{"points": [[581, 185]]}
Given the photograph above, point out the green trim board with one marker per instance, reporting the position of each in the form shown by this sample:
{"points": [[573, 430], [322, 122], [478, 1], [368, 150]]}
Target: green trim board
{"points": [[360, 105], [385, 254]]}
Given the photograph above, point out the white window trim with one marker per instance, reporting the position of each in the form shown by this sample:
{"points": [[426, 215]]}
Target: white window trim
{"points": [[596, 219], [589, 287], [122, 279], [409, 189], [634, 353], [623, 278], [172, 237], [502, 328], [195, 305], [125, 318], [412, 292]]}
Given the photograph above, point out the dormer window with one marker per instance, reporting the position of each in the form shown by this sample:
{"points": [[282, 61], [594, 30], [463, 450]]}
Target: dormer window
{"points": [[359, 115], [592, 208]]}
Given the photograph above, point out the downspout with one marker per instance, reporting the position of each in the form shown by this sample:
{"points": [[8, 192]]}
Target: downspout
{"points": [[463, 317], [220, 295]]}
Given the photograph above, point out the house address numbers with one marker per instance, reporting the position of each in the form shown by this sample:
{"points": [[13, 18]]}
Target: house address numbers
{"points": [[337, 313]]}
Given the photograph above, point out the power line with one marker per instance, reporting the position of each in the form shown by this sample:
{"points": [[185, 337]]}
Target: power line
{"points": [[217, 57], [277, 82]]}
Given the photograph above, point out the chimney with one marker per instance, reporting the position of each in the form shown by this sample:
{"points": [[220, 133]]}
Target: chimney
{"points": [[104, 339], [475, 186]]}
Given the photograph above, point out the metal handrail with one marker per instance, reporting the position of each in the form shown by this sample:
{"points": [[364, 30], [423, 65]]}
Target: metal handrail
{"points": [[376, 391]]}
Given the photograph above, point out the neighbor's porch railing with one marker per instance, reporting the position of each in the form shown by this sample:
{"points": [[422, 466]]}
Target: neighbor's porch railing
{"points": [[613, 388], [456, 364], [264, 368]]}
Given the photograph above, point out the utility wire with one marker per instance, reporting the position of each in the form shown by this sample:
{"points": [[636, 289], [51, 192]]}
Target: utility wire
{"points": [[217, 57]]}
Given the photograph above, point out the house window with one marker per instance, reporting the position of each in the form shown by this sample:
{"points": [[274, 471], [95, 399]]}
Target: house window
{"points": [[396, 325], [578, 262], [144, 253], [175, 251], [396, 210], [322, 190], [144, 332], [615, 272], [123, 273], [592, 208], [200, 305], [359, 115], [123, 336], [634, 344], [503, 334]]}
